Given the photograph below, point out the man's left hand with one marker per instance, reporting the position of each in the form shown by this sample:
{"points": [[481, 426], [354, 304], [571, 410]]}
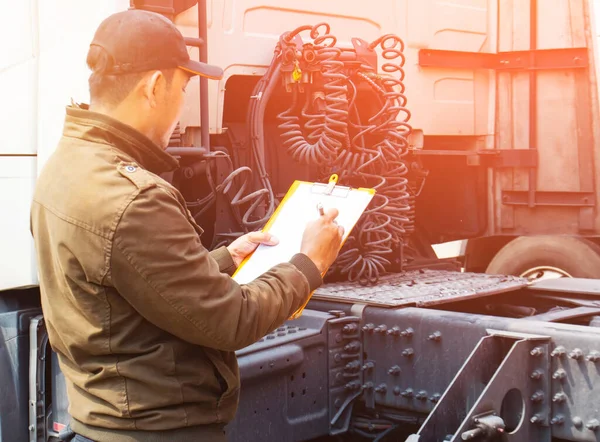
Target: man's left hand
{"points": [[246, 244]]}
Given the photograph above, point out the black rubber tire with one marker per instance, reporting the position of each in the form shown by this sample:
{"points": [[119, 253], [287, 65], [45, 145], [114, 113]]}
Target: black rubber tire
{"points": [[579, 257]]}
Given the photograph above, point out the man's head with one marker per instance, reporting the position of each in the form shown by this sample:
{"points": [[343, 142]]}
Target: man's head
{"points": [[140, 68]]}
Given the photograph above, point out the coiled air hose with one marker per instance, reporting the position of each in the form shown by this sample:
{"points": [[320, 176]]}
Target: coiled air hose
{"points": [[366, 154], [328, 130]]}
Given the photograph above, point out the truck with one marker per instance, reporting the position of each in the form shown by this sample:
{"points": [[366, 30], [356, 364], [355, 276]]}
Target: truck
{"points": [[473, 119]]}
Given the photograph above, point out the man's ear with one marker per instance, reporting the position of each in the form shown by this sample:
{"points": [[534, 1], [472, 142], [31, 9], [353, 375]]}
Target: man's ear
{"points": [[151, 87]]}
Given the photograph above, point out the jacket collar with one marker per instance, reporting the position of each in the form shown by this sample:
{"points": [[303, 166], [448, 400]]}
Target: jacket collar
{"points": [[95, 127]]}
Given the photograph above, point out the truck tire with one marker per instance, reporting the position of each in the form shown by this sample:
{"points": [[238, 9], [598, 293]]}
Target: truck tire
{"points": [[546, 257]]}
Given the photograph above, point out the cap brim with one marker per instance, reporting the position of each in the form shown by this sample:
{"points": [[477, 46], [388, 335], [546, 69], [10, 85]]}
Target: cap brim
{"points": [[202, 69]]}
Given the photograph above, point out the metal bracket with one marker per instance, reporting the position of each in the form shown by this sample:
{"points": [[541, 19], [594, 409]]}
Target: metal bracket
{"points": [[364, 53], [499, 158], [564, 315], [38, 345], [193, 41], [488, 157], [187, 151], [503, 387], [345, 369], [565, 58], [161, 7], [555, 199]]}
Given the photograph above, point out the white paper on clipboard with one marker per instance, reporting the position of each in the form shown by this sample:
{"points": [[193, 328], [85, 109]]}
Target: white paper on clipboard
{"points": [[289, 221]]}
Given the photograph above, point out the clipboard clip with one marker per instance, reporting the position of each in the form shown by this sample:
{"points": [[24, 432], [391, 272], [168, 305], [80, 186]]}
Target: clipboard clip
{"points": [[333, 179], [331, 188]]}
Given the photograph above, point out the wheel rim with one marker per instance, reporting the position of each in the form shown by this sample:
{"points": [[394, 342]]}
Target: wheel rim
{"points": [[545, 272]]}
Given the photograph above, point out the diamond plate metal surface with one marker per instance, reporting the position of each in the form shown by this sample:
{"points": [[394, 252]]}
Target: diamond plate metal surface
{"points": [[421, 288]]}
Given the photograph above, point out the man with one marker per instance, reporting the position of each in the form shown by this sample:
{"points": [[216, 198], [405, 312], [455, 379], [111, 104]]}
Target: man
{"points": [[143, 318]]}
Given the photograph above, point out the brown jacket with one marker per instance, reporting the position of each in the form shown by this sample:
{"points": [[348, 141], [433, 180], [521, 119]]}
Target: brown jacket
{"points": [[143, 318]]}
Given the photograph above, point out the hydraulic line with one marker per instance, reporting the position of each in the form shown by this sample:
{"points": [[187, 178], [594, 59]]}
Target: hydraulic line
{"points": [[252, 219], [243, 177]]}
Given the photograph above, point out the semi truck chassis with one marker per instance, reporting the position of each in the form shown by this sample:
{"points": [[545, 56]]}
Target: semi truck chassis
{"points": [[427, 356]]}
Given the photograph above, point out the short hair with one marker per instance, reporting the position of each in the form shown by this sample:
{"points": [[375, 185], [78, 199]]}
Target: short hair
{"points": [[111, 90]]}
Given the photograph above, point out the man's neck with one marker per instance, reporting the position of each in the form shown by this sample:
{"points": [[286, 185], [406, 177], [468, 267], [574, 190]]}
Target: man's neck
{"points": [[119, 113], [126, 114]]}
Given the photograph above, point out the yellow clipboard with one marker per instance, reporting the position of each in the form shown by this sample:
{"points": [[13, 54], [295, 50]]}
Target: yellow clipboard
{"points": [[287, 224]]}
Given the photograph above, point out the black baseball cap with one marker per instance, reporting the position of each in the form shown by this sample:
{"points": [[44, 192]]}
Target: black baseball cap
{"points": [[141, 41]]}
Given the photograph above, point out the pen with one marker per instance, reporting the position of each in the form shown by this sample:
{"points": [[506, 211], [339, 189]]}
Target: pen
{"points": [[320, 209]]}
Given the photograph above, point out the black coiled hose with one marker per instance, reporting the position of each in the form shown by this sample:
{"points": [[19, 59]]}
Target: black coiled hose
{"points": [[369, 154], [259, 204], [327, 131]]}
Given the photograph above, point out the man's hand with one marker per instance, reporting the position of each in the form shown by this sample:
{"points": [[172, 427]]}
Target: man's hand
{"points": [[321, 240], [246, 244]]}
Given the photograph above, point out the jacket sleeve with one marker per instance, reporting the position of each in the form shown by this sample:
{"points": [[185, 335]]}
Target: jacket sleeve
{"points": [[224, 260], [159, 265]]}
